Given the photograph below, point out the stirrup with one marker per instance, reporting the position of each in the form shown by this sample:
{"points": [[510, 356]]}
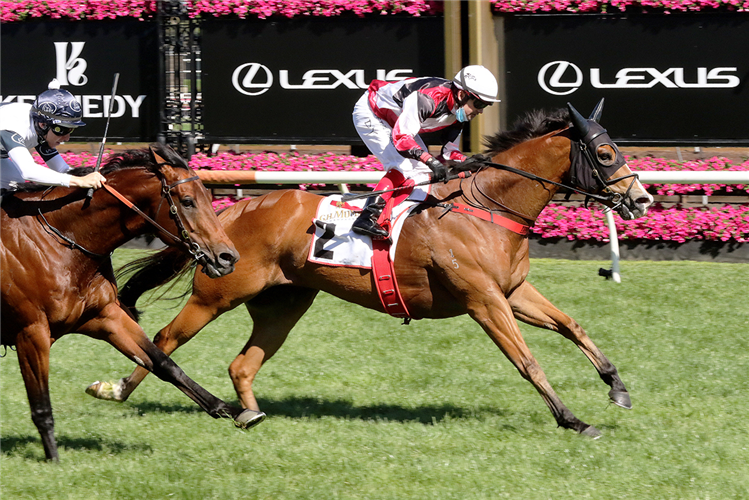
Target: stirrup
{"points": [[372, 229]]}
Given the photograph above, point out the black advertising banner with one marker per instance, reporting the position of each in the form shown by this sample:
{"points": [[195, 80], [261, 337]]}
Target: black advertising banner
{"points": [[84, 56], [667, 79], [297, 80]]}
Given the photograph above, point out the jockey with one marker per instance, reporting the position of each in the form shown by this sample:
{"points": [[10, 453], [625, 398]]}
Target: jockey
{"points": [[390, 116], [43, 125]]}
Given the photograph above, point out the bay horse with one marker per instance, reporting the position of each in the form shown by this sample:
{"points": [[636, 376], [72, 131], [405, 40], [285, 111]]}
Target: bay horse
{"points": [[57, 278], [446, 263]]}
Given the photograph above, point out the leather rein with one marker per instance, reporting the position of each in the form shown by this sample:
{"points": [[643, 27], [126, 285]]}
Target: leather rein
{"points": [[184, 236], [609, 195]]}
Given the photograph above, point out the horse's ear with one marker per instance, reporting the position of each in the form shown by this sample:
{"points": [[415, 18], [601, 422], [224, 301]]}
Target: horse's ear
{"points": [[156, 158], [580, 123], [597, 112]]}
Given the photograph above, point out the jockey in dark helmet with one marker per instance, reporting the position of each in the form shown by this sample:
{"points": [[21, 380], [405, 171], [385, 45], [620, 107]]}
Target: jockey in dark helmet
{"points": [[390, 117], [43, 125]]}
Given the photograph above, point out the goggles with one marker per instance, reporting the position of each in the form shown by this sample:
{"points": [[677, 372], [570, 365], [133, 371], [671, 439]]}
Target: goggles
{"points": [[61, 131], [478, 103]]}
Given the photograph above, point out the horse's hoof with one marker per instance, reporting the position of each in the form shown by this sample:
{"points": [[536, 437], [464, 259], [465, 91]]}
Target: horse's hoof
{"points": [[621, 398], [105, 390], [249, 418], [591, 432]]}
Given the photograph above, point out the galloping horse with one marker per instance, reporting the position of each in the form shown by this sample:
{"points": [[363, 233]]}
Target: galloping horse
{"points": [[57, 277], [446, 263]]}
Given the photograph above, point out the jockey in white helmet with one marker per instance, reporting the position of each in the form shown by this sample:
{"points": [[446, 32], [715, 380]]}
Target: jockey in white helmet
{"points": [[390, 118]]}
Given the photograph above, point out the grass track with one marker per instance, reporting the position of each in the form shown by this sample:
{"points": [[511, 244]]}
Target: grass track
{"points": [[363, 408]]}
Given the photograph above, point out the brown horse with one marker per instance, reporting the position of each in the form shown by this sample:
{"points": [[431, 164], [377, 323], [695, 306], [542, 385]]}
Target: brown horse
{"points": [[447, 264], [57, 275]]}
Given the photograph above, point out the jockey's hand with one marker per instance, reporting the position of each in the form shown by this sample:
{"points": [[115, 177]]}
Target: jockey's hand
{"points": [[92, 180], [439, 170], [471, 164]]}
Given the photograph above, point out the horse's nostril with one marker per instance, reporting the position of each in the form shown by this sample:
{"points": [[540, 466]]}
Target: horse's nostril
{"points": [[643, 200], [227, 258]]}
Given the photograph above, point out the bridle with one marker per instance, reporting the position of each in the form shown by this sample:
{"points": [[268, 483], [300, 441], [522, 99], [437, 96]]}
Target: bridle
{"points": [[587, 173], [183, 238]]}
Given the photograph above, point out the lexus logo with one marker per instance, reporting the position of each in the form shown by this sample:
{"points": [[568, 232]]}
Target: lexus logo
{"points": [[563, 78], [556, 71], [247, 81], [254, 79]]}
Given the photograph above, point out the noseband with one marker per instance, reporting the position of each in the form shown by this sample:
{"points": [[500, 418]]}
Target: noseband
{"points": [[166, 194]]}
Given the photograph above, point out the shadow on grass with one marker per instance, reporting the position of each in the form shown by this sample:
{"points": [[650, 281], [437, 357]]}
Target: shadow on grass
{"points": [[301, 407], [19, 446], [304, 407]]}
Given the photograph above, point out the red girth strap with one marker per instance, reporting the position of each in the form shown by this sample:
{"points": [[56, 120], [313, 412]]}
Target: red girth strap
{"points": [[486, 215], [383, 275]]}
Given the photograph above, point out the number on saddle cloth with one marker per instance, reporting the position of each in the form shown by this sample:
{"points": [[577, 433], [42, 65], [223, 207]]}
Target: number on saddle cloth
{"points": [[392, 180]]}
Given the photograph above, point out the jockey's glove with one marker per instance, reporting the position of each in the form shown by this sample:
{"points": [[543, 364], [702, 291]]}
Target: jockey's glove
{"points": [[439, 170], [471, 164]]}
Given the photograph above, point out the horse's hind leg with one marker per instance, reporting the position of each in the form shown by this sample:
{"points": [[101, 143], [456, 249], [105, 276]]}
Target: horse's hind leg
{"points": [[529, 306], [32, 345], [274, 313]]}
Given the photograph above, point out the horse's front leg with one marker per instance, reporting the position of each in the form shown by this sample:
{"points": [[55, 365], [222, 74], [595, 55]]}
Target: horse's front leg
{"points": [[124, 334], [32, 345], [529, 306], [491, 310]]}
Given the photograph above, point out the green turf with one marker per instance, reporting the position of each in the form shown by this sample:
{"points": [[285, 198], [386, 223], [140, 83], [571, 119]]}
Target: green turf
{"points": [[361, 407]]}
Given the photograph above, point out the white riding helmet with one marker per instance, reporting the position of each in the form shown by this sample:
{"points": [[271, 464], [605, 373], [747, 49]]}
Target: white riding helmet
{"points": [[479, 81]]}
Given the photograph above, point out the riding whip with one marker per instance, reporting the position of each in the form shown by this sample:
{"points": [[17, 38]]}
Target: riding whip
{"points": [[106, 129]]}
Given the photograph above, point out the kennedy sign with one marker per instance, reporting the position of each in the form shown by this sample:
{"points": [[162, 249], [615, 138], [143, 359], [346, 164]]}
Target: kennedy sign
{"points": [[666, 79], [84, 57], [297, 81]]}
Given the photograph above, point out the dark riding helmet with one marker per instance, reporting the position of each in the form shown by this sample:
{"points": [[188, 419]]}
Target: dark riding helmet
{"points": [[57, 107]]}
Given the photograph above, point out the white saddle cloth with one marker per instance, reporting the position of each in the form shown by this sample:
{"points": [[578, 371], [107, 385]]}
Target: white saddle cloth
{"points": [[334, 243]]}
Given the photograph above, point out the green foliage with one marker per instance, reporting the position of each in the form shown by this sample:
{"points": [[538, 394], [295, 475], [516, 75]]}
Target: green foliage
{"points": [[361, 407]]}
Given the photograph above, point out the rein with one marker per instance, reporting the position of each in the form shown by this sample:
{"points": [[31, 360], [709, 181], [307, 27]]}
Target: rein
{"points": [[184, 236]]}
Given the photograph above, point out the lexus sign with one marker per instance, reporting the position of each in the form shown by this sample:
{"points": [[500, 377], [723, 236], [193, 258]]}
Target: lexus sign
{"points": [[666, 79], [297, 81], [552, 76]]}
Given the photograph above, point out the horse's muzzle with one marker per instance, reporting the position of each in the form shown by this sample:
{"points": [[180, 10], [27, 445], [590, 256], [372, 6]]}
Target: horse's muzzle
{"points": [[634, 208], [219, 264]]}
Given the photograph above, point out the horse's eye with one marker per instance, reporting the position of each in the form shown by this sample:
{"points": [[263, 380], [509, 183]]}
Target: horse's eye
{"points": [[606, 155], [188, 202]]}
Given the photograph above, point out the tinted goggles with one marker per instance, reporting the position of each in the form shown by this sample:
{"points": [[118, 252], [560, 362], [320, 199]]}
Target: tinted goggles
{"points": [[61, 131], [478, 103]]}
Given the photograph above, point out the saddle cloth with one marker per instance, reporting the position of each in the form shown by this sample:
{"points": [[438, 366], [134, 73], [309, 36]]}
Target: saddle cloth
{"points": [[334, 243]]}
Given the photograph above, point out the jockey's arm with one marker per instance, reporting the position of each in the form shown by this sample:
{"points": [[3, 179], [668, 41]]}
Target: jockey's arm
{"points": [[32, 171]]}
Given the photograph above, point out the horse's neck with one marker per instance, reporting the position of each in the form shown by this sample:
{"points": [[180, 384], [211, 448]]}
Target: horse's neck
{"points": [[104, 223], [546, 157]]}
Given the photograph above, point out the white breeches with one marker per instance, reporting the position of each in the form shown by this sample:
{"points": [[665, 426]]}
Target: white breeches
{"points": [[377, 134]]}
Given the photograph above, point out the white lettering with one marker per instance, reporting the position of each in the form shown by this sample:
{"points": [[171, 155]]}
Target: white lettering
{"points": [[70, 69], [135, 104], [89, 107], [672, 78]]}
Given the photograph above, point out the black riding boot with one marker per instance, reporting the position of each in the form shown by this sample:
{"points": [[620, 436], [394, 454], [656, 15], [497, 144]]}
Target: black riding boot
{"points": [[366, 223]]}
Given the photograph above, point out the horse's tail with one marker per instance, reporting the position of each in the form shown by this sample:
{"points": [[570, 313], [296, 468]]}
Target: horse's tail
{"points": [[152, 272]]}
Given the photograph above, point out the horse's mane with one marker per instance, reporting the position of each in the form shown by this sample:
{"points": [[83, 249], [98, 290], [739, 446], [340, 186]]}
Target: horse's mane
{"points": [[533, 124], [127, 159]]}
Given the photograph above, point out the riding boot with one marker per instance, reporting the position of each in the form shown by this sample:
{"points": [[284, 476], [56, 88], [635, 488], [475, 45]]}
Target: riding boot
{"points": [[366, 223]]}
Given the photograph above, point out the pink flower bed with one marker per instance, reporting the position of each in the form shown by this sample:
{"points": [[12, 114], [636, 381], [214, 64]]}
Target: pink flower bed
{"points": [[20, 10], [678, 224], [664, 6]]}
